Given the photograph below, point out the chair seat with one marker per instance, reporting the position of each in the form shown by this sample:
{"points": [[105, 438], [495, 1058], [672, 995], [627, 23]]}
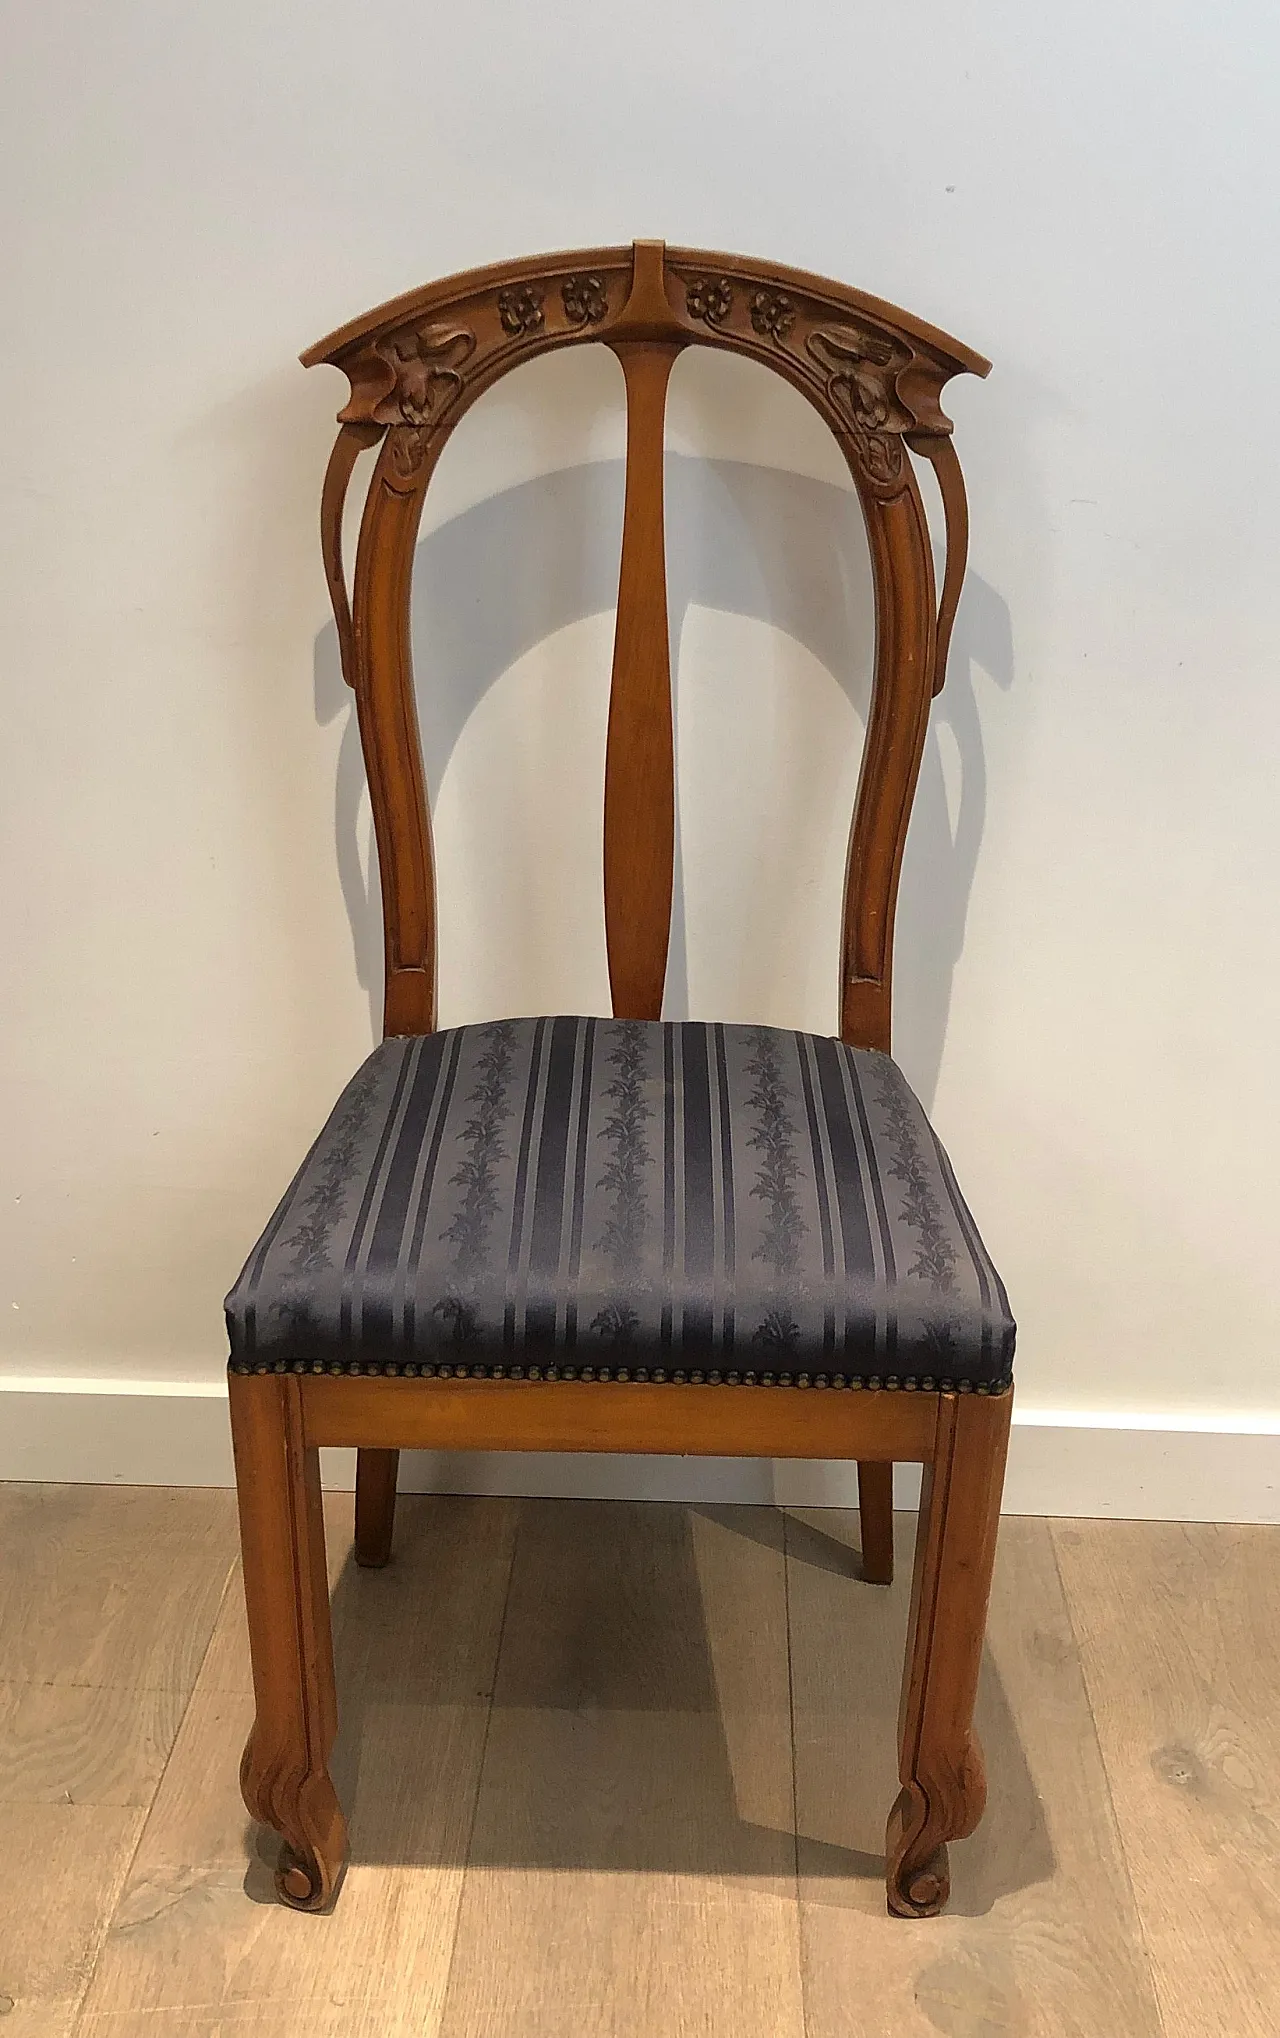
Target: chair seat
{"points": [[601, 1198]]}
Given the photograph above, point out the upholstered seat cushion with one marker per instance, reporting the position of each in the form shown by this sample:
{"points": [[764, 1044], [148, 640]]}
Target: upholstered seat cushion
{"points": [[605, 1198]]}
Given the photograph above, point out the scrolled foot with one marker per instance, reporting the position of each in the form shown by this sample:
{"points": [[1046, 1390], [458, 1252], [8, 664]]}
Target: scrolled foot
{"points": [[923, 1892], [917, 1872], [303, 1882], [924, 1817], [305, 1813]]}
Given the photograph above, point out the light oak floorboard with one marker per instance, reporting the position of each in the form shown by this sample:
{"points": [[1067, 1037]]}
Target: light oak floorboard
{"points": [[1041, 1938], [61, 1867], [1179, 1628], [199, 1946], [111, 1586], [84, 1744], [633, 1860]]}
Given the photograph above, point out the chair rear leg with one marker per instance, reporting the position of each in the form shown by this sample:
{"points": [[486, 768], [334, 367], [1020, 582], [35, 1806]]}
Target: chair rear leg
{"points": [[944, 1785], [375, 1506], [875, 1514], [284, 1776]]}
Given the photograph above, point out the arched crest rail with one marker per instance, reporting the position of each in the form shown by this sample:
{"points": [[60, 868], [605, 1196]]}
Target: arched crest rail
{"points": [[874, 373]]}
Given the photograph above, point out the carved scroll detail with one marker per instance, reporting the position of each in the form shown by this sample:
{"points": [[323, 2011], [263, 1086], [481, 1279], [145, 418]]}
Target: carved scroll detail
{"points": [[585, 301], [425, 362]]}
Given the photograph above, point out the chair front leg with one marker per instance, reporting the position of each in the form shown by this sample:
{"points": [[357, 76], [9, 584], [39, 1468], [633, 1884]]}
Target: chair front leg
{"points": [[284, 1776], [944, 1785]]}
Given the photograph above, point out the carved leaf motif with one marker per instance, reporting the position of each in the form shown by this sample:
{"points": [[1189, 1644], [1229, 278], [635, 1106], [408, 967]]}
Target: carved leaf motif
{"points": [[520, 310], [710, 299], [408, 443], [881, 455], [585, 302], [772, 314], [860, 369], [425, 364]]}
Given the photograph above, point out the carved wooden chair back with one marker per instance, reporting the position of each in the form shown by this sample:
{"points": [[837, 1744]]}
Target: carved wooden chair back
{"points": [[873, 373], [309, 1365]]}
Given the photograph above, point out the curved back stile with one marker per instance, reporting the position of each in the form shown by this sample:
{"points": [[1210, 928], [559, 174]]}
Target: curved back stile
{"points": [[873, 373]]}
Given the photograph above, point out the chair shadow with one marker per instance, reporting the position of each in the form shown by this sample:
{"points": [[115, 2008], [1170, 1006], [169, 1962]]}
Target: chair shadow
{"points": [[635, 1719], [756, 542]]}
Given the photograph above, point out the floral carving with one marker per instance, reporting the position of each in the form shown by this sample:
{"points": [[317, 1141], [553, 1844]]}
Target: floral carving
{"points": [[710, 299], [624, 1178], [861, 371], [774, 1138], [935, 1260], [475, 1175], [772, 314], [407, 445], [585, 302], [425, 364], [520, 310]]}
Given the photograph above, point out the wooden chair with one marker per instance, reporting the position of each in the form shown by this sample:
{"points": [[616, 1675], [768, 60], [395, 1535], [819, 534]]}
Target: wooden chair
{"points": [[614, 1234]]}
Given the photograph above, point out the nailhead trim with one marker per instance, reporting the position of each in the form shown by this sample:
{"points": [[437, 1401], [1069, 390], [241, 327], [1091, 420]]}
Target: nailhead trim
{"points": [[411, 1369]]}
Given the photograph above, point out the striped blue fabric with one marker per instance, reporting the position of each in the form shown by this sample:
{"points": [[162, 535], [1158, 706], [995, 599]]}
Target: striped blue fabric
{"points": [[605, 1198]]}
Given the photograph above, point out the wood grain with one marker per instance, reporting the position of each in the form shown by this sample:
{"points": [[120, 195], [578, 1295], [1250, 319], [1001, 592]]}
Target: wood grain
{"points": [[632, 1867], [284, 1771], [639, 783], [414, 367], [875, 1518], [61, 1867], [874, 373], [196, 1944], [111, 1586], [1042, 1936], [376, 1474], [941, 1767], [84, 1744], [1179, 1630], [578, 1415], [679, 1864]]}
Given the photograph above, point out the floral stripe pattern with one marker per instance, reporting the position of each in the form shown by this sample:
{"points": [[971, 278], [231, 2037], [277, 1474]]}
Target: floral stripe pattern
{"points": [[623, 1180], [935, 1260], [707, 1176], [481, 1150], [773, 1138]]}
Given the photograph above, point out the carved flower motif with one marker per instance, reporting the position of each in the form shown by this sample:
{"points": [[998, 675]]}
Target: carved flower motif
{"points": [[520, 310], [772, 315], [584, 300], [710, 299]]}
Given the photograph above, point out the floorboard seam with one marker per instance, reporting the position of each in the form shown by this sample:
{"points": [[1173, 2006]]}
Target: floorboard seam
{"points": [[795, 1785], [484, 1753], [109, 1912], [1121, 1843]]}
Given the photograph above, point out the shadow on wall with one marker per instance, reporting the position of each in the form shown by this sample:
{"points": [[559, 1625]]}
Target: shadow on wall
{"points": [[757, 542]]}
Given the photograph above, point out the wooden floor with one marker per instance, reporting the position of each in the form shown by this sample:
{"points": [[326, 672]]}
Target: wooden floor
{"points": [[624, 1769]]}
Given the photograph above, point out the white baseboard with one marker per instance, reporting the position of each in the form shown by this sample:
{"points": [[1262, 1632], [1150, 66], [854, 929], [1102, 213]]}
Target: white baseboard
{"points": [[1061, 1462]]}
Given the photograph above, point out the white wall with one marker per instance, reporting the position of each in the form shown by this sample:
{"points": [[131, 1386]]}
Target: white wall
{"points": [[1088, 979]]}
